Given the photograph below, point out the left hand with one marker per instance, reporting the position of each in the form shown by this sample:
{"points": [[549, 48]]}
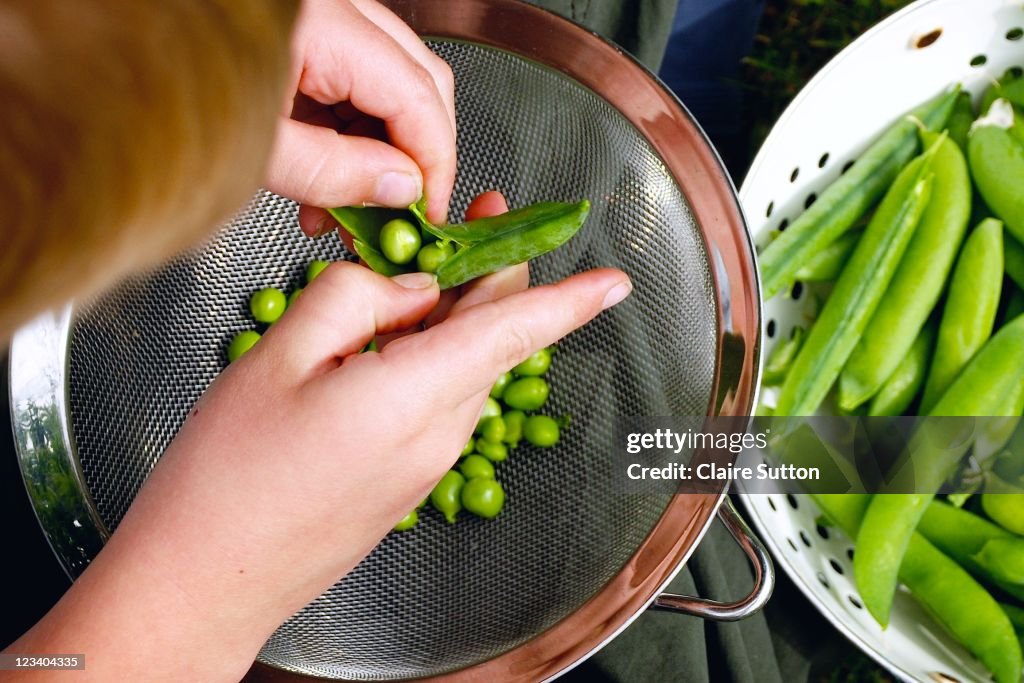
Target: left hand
{"points": [[360, 76]]}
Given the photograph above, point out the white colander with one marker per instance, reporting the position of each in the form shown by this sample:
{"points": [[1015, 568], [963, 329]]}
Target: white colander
{"points": [[895, 66]]}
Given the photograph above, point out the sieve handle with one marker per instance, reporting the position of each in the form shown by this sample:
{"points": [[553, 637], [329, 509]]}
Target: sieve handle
{"points": [[764, 578]]}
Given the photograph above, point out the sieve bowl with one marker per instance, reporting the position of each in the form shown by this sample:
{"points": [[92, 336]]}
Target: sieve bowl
{"points": [[545, 111], [895, 66]]}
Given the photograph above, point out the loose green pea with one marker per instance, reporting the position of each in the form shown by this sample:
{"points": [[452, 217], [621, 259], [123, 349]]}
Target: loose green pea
{"points": [[242, 342], [446, 495], [491, 409], [400, 241], [499, 386], [514, 420], [470, 447], [492, 429], [526, 393], [495, 452], [408, 522], [534, 366], [541, 430], [315, 268], [267, 305], [430, 256], [483, 497], [293, 297], [476, 467]]}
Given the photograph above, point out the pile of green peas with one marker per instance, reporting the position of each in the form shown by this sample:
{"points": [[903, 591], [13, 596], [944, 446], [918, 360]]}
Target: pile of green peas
{"points": [[510, 415], [267, 306]]}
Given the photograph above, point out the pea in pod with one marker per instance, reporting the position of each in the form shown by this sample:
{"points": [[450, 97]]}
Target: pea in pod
{"points": [[1013, 259], [781, 358], [957, 601], [850, 196], [919, 279], [963, 535], [906, 381], [858, 291], [996, 158], [827, 264], [377, 262], [522, 243], [980, 389], [970, 309], [960, 120]]}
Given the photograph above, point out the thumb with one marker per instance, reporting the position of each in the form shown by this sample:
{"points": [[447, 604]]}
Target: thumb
{"points": [[340, 312], [315, 165]]}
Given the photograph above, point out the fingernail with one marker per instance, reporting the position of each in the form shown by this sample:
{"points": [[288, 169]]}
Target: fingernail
{"points": [[616, 294], [396, 189], [415, 280], [324, 226]]}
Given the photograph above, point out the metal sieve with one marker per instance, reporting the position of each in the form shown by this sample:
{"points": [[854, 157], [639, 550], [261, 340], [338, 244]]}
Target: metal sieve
{"points": [[545, 111]]}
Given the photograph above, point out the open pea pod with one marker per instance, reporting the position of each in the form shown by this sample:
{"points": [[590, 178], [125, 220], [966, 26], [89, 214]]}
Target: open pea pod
{"points": [[364, 223], [520, 241], [483, 229]]}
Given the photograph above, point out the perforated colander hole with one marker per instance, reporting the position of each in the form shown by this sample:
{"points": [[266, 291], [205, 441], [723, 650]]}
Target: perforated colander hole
{"points": [[771, 504], [822, 531], [805, 539], [770, 328], [793, 503], [768, 211], [1015, 33], [854, 601], [978, 60], [794, 175], [836, 567], [823, 581], [784, 224], [847, 166], [849, 553], [792, 545], [797, 291], [928, 38], [823, 160], [811, 198], [1014, 72]]}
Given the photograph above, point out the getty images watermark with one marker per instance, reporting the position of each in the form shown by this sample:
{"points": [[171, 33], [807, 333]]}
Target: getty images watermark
{"points": [[819, 454]]}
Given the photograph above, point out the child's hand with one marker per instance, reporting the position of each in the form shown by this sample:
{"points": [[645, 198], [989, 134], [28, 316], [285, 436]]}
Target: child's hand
{"points": [[359, 76], [297, 460]]}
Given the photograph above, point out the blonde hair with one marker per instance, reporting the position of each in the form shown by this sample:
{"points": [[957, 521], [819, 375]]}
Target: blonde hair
{"points": [[128, 130]]}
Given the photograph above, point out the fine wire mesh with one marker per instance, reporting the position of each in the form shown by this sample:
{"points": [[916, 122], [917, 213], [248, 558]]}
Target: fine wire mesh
{"points": [[443, 596]]}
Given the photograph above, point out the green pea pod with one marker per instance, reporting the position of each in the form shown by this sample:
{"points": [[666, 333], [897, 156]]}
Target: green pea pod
{"points": [[364, 224], [1016, 616], [906, 381], [970, 310], [1010, 87], [827, 264], [997, 165], [957, 602], [482, 229], [850, 196], [1013, 259], [1005, 509], [782, 357], [980, 389], [523, 243], [377, 262], [919, 279], [1004, 558], [962, 535], [857, 292], [960, 120]]}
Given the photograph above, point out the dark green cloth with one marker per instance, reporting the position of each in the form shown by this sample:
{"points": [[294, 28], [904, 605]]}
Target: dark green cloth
{"points": [[780, 644], [641, 27]]}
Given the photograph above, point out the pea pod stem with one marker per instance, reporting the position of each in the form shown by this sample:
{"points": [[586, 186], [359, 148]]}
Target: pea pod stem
{"points": [[849, 197], [858, 291], [919, 279], [958, 602]]}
